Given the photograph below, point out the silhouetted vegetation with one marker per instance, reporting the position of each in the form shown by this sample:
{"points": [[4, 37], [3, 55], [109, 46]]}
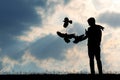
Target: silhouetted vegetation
{"points": [[61, 76]]}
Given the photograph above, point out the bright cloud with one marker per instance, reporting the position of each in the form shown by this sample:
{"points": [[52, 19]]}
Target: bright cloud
{"points": [[7, 64], [111, 49], [74, 62]]}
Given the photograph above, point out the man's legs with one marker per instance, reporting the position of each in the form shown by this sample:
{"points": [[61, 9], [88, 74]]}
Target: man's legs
{"points": [[92, 66], [99, 63], [91, 59]]}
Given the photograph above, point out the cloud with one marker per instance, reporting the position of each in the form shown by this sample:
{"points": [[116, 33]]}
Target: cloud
{"points": [[110, 18], [15, 18], [0, 50], [26, 64], [29, 42], [102, 4], [24, 25], [7, 64], [46, 15], [45, 45], [49, 46], [18, 14], [110, 50], [30, 64], [66, 1]]}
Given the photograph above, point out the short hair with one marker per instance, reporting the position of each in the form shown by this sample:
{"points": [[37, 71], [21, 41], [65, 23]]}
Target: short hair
{"points": [[91, 20]]}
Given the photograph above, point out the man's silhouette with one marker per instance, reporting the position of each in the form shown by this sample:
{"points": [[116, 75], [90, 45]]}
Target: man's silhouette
{"points": [[94, 35]]}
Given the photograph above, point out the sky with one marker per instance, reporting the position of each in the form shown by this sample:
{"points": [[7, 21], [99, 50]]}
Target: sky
{"points": [[29, 44]]}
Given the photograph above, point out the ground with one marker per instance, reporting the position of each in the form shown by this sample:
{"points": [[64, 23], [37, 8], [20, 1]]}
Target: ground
{"points": [[61, 77]]}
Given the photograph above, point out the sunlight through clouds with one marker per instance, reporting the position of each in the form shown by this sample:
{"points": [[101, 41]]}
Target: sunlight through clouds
{"points": [[80, 13], [41, 54], [73, 61], [51, 21]]}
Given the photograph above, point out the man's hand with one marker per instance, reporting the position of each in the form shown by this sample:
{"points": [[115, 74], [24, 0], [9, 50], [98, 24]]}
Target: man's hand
{"points": [[78, 39]]}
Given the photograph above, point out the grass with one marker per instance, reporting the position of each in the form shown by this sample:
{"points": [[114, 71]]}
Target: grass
{"points": [[62, 76]]}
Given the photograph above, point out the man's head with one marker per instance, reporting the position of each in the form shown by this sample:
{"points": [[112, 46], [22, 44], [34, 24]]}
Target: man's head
{"points": [[91, 21]]}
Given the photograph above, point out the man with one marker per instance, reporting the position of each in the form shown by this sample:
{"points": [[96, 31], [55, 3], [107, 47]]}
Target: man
{"points": [[94, 35]]}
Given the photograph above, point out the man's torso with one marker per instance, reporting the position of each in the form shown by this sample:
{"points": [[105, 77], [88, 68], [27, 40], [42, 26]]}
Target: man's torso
{"points": [[94, 35]]}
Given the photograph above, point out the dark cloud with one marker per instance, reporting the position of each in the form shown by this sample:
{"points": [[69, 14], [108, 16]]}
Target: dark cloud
{"points": [[49, 47], [110, 18], [16, 16], [66, 1], [54, 46], [14, 50], [37, 3]]}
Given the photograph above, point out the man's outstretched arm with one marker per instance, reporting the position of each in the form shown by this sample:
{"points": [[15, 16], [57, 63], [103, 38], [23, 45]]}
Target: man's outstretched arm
{"points": [[85, 37], [80, 38]]}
